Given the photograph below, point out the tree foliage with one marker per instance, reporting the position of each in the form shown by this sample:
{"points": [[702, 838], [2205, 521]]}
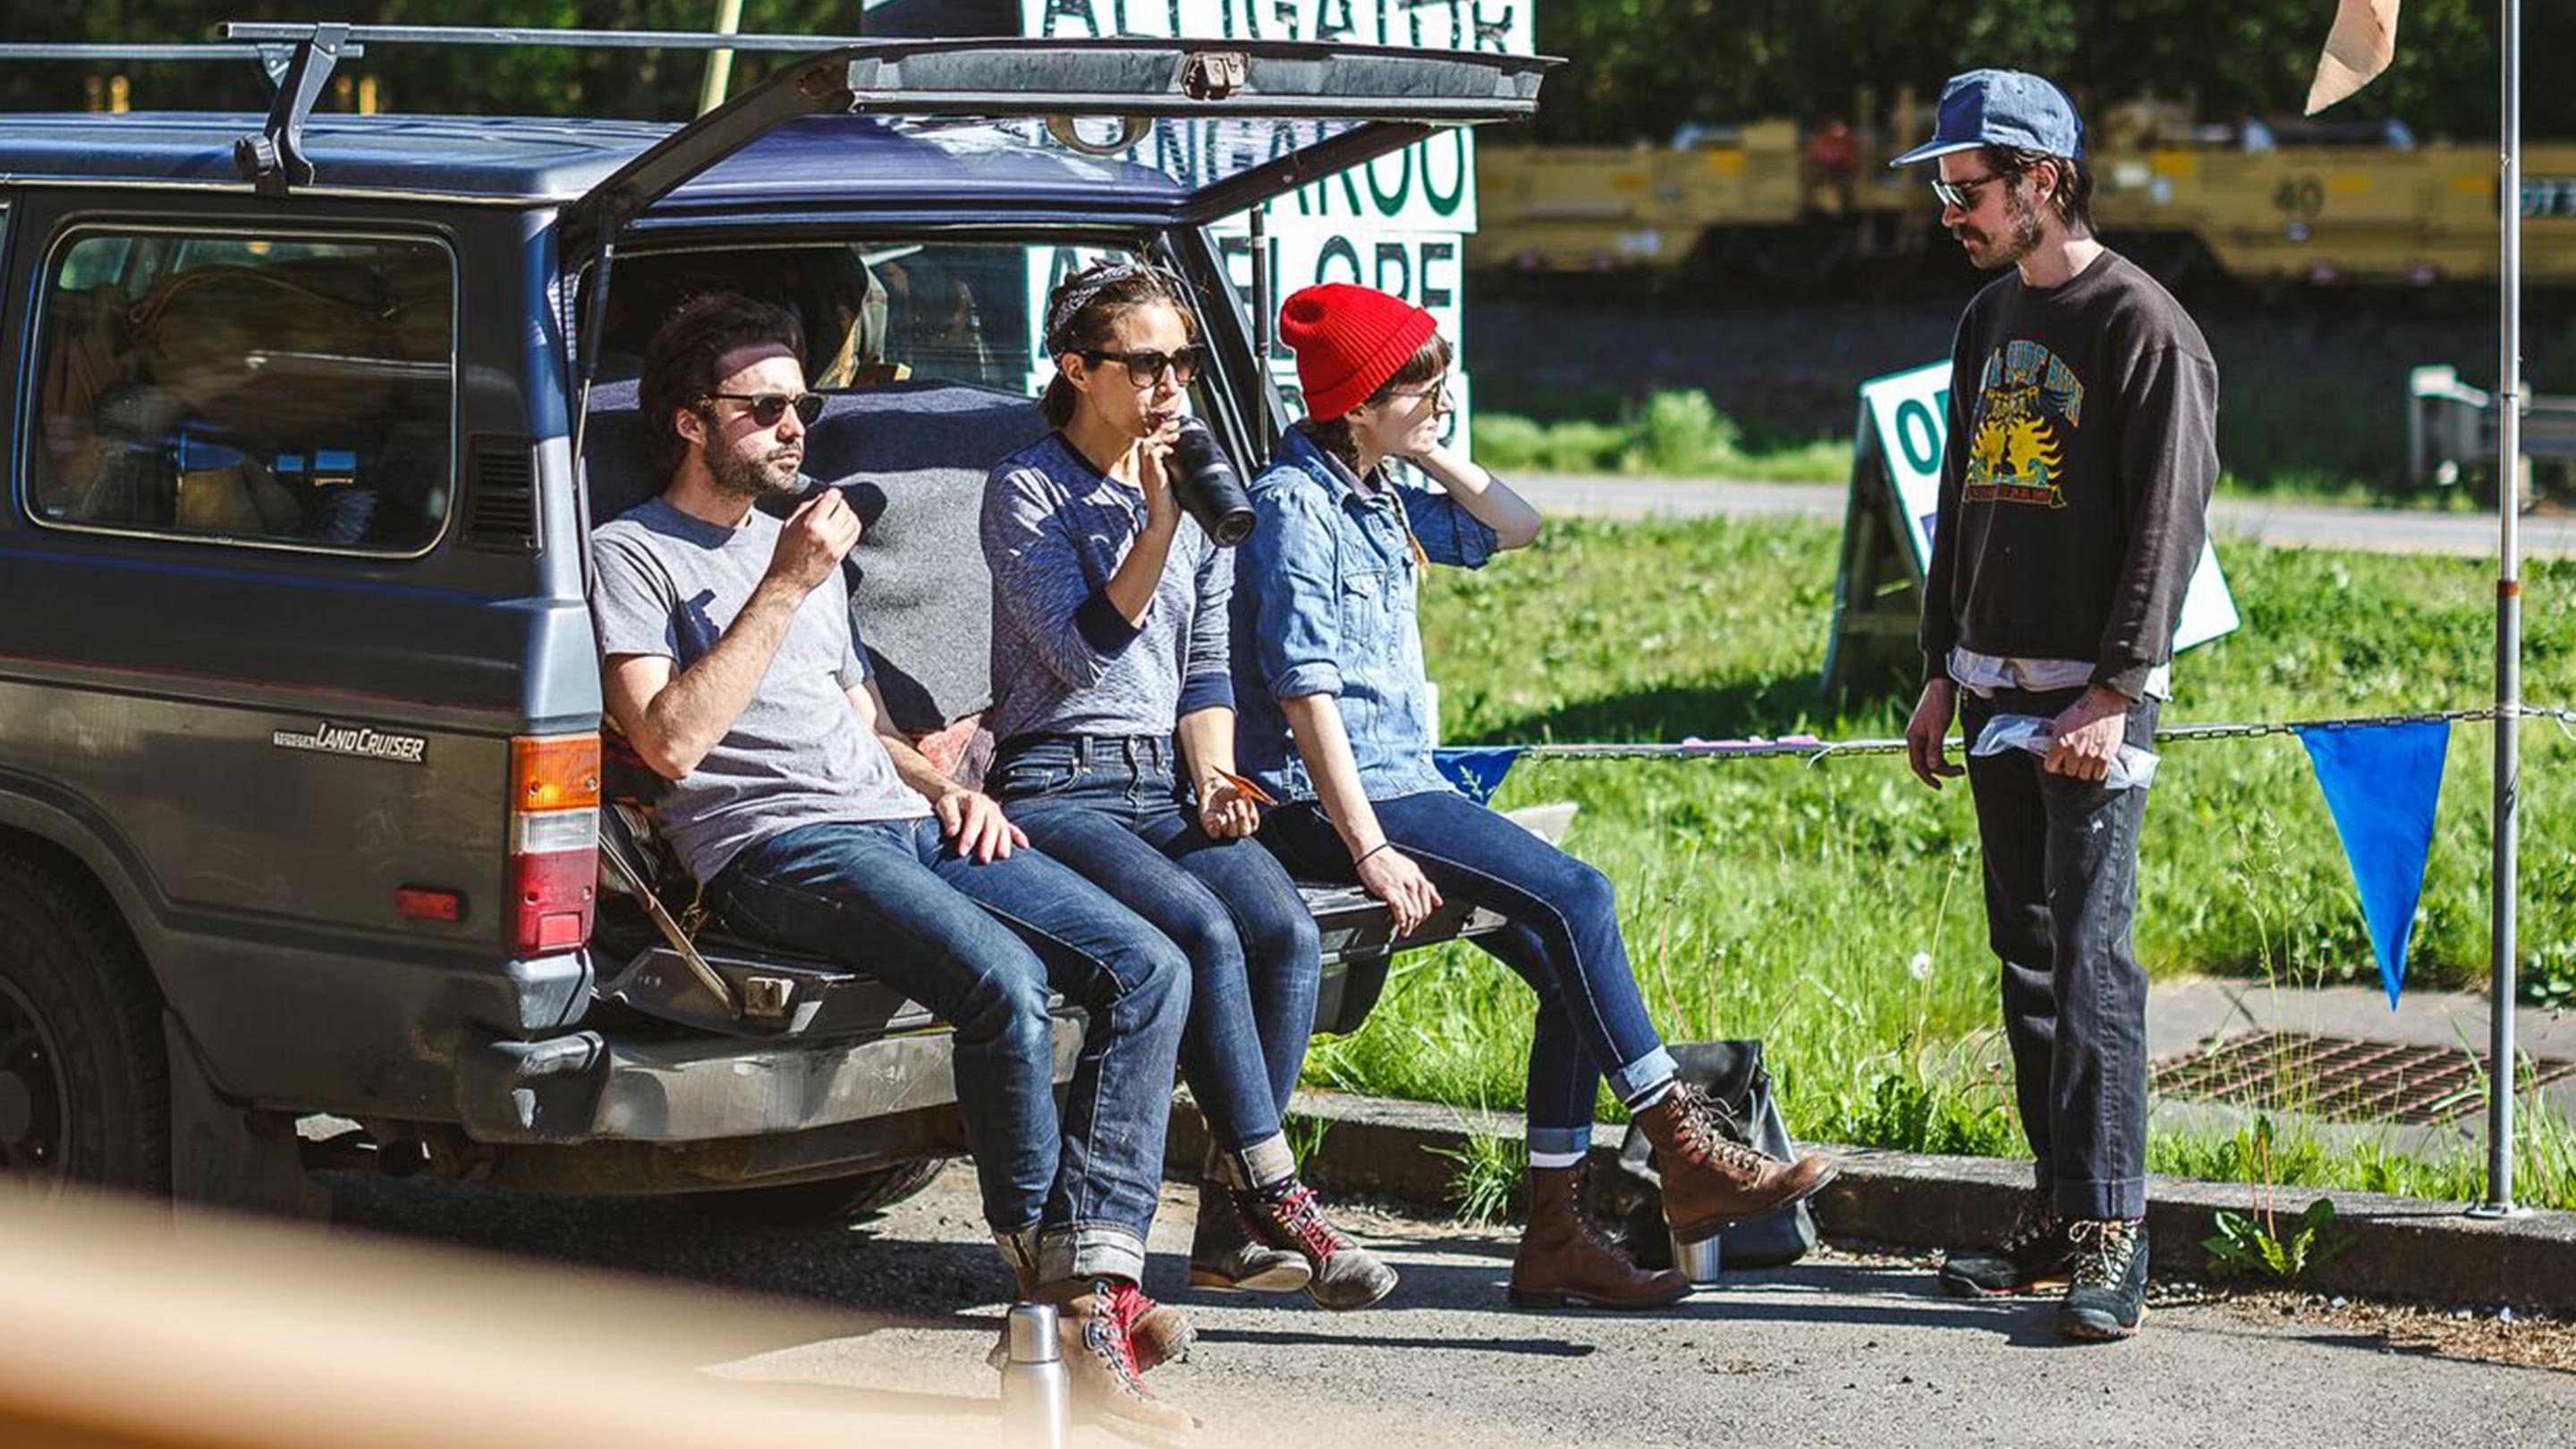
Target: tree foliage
{"points": [[1640, 67], [1637, 68]]}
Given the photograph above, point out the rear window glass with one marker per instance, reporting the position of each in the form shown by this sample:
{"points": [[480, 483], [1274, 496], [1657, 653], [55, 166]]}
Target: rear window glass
{"points": [[287, 391], [874, 313]]}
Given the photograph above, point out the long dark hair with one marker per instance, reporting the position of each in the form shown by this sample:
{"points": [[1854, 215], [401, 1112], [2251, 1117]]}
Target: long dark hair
{"points": [[1099, 295], [1428, 362]]}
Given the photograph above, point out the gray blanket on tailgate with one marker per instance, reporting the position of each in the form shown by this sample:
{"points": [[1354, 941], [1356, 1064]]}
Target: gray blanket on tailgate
{"points": [[912, 458]]}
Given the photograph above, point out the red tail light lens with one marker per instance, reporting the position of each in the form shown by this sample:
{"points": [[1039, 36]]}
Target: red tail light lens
{"points": [[554, 841]]}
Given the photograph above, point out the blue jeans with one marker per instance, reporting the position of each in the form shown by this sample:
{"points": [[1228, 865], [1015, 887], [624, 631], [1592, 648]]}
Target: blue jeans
{"points": [[1563, 940], [981, 945], [1108, 807]]}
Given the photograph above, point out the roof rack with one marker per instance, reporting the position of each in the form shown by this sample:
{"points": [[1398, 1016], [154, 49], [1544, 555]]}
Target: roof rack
{"points": [[296, 66], [274, 159], [291, 31], [271, 57]]}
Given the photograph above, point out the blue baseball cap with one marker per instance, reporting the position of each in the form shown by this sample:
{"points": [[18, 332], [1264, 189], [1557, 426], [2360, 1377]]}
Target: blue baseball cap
{"points": [[2001, 108]]}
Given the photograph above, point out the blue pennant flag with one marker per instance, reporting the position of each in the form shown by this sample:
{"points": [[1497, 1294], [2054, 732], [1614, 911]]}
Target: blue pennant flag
{"points": [[1478, 773], [2381, 784]]}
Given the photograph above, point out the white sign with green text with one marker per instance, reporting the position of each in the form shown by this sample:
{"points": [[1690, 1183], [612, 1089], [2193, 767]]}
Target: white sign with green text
{"points": [[1395, 223]]}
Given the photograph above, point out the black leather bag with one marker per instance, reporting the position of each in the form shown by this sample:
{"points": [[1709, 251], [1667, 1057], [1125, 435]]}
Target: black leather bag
{"points": [[1732, 1076]]}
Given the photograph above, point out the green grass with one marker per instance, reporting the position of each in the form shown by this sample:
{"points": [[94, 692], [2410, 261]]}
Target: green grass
{"points": [[1675, 435], [1683, 435], [1774, 899]]}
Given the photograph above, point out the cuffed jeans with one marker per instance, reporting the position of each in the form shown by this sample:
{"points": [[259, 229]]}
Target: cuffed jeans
{"points": [[1563, 939], [2061, 859], [981, 945], [1108, 807]]}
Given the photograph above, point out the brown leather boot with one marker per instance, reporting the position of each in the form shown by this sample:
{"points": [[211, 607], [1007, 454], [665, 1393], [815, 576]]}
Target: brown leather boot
{"points": [[1094, 1321], [1710, 1179], [1162, 1334], [1564, 1260]]}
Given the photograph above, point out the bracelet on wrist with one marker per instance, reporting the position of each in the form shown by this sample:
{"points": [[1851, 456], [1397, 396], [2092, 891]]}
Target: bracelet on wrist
{"points": [[1362, 858]]}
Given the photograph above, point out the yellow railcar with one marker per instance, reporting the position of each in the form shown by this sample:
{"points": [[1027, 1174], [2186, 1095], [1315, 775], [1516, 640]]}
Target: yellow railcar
{"points": [[1756, 196]]}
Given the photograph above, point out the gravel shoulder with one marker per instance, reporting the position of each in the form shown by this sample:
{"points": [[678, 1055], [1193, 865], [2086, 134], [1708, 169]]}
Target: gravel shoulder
{"points": [[1845, 1349]]}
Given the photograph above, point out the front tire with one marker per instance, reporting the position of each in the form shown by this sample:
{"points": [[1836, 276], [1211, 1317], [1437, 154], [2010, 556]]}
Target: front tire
{"points": [[84, 1082]]}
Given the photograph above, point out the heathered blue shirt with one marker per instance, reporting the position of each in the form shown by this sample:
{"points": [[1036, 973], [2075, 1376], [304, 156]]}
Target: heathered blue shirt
{"points": [[1065, 661]]}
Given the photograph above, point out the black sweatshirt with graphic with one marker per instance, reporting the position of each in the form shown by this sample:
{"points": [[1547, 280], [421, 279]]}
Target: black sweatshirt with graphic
{"points": [[2075, 485]]}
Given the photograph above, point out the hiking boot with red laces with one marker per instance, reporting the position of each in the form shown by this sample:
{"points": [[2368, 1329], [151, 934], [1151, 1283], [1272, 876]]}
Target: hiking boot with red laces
{"points": [[1346, 1275], [1224, 1256], [1094, 1321], [2033, 1257], [1710, 1179], [1564, 1261], [1162, 1334]]}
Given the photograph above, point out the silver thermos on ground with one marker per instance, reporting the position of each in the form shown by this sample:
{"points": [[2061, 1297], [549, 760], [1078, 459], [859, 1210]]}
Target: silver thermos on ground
{"points": [[1034, 1384], [1700, 1262]]}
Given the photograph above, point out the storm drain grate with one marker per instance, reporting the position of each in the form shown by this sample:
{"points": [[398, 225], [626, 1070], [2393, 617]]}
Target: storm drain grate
{"points": [[2338, 1078]]}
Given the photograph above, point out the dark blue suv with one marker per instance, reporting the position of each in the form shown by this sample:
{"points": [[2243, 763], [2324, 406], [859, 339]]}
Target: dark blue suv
{"points": [[304, 811]]}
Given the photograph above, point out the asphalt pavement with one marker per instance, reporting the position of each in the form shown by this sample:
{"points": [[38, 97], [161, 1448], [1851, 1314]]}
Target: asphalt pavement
{"points": [[1842, 1350], [2296, 525]]}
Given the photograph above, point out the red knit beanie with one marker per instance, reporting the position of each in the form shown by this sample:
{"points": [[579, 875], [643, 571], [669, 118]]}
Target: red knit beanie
{"points": [[1349, 340]]}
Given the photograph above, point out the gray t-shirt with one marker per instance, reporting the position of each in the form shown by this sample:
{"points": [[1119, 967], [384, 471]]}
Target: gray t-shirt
{"points": [[670, 584]]}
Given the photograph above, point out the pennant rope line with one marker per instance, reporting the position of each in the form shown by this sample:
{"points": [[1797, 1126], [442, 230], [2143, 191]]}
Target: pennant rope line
{"points": [[1816, 751]]}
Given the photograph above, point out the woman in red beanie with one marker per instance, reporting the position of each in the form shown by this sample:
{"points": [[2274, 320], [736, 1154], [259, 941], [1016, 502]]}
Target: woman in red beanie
{"points": [[1113, 712], [1333, 718]]}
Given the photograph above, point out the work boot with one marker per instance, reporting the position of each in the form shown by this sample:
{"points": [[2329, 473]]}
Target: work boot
{"points": [[1224, 1256], [1094, 1328], [1710, 1179], [1564, 1260], [2108, 1299], [1344, 1274], [1162, 1334], [2034, 1257]]}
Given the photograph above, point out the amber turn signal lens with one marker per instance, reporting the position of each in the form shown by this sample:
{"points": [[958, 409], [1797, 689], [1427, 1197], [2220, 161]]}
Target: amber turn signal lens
{"points": [[554, 772]]}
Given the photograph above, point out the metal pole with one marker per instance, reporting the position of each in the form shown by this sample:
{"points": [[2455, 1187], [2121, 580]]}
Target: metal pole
{"points": [[720, 62], [2506, 884]]}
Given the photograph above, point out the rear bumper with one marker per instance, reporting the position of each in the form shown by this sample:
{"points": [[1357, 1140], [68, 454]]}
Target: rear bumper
{"points": [[840, 1050], [588, 1087]]}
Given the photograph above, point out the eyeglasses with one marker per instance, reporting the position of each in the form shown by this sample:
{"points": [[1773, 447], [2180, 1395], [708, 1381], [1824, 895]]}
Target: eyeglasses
{"points": [[1437, 395], [1963, 193], [768, 407], [1145, 368]]}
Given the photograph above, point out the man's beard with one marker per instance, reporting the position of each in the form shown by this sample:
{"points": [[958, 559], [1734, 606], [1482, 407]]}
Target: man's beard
{"points": [[736, 475], [2022, 239]]}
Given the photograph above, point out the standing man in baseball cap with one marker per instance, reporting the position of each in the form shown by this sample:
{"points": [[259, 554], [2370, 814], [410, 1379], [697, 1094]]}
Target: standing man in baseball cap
{"points": [[2074, 501]]}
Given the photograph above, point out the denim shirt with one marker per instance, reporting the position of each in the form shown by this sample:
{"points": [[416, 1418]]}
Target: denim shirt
{"points": [[1325, 602]]}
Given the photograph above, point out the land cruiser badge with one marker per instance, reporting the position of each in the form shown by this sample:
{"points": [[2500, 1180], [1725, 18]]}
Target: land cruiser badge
{"points": [[357, 740]]}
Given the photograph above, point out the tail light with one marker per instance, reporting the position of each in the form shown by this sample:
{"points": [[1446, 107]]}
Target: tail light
{"points": [[554, 841]]}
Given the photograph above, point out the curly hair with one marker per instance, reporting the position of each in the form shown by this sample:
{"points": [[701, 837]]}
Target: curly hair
{"points": [[680, 362], [2073, 198]]}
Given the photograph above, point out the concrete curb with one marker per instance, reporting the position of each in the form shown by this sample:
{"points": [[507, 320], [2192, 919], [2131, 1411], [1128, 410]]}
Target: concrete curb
{"points": [[2401, 1247]]}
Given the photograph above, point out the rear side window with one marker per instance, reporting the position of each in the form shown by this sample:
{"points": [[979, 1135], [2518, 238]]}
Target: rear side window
{"points": [[286, 391]]}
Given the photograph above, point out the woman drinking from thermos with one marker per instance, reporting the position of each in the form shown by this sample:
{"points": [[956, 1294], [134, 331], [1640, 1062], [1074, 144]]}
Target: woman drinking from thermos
{"points": [[1114, 716]]}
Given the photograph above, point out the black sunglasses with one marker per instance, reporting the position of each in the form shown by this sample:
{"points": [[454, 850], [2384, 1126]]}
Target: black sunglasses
{"points": [[1962, 193], [1146, 368], [768, 407]]}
